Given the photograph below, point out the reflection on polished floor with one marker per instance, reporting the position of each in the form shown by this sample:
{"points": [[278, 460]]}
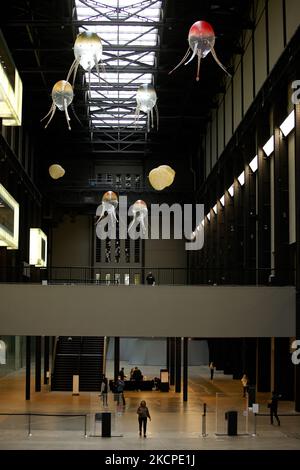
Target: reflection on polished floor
{"points": [[174, 425]]}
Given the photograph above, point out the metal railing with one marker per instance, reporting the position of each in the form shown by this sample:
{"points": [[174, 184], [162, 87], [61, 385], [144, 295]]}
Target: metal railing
{"points": [[134, 275], [29, 421]]}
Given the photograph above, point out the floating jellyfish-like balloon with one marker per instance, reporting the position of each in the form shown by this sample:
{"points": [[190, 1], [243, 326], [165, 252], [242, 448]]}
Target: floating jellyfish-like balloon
{"points": [[140, 215], [201, 40], [56, 171], [161, 177], [146, 101], [109, 205], [62, 96], [87, 52]]}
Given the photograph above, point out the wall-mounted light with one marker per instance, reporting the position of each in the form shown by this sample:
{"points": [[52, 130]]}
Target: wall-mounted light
{"points": [[254, 164], [222, 200], [11, 89], [268, 148], [215, 209], [2, 352], [38, 248], [9, 220], [288, 124], [241, 178], [208, 216], [202, 223], [231, 190]]}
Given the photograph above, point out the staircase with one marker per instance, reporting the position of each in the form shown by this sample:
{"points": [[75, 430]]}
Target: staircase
{"points": [[78, 355]]}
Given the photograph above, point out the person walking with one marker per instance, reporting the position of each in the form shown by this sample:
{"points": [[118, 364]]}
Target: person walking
{"points": [[273, 405], [120, 390], [245, 383], [104, 390], [143, 415], [212, 370], [122, 373]]}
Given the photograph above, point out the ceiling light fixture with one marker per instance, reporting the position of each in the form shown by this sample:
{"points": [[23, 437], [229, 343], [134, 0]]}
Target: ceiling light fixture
{"points": [[288, 124], [231, 190], [241, 178], [254, 164], [268, 148]]}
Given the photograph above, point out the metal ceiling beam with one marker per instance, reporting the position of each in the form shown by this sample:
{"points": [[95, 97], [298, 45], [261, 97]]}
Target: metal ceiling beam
{"points": [[78, 23], [106, 48], [108, 69]]}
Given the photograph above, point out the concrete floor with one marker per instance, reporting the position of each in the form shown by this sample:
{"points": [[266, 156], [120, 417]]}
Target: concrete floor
{"points": [[175, 425]]}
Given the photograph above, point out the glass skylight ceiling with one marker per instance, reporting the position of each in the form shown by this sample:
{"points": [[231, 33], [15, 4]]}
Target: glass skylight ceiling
{"points": [[129, 34]]}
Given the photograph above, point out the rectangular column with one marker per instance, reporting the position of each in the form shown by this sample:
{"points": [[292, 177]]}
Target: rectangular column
{"points": [[172, 361], [28, 368], [46, 359], [168, 354], [297, 170], [185, 368], [178, 366], [263, 362], [38, 364], [116, 357]]}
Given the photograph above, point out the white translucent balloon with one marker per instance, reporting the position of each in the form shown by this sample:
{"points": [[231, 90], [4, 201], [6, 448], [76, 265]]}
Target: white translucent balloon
{"points": [[161, 177], [139, 212], [109, 204], [56, 171], [146, 99], [88, 53], [170, 173], [62, 96], [201, 39]]}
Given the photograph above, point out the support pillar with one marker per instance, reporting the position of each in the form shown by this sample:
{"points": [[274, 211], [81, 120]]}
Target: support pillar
{"points": [[172, 361], [284, 369], [168, 354], [185, 368], [178, 366], [116, 358], [46, 359], [263, 364], [297, 171], [38, 360], [28, 367]]}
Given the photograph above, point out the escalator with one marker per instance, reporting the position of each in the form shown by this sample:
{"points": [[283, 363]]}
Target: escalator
{"points": [[78, 355]]}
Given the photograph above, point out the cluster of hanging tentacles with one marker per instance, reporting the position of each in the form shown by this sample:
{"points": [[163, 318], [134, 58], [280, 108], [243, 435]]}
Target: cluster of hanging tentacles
{"points": [[88, 54]]}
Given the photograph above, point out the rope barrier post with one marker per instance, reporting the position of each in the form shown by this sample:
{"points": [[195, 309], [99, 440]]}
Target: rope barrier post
{"points": [[85, 433], [29, 425], [204, 421], [255, 409], [254, 425]]}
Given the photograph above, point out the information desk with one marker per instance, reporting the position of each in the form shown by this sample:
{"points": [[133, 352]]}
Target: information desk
{"points": [[135, 385]]}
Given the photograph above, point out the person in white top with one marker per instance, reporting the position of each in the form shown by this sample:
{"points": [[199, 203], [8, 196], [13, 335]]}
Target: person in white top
{"points": [[245, 383], [212, 370]]}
